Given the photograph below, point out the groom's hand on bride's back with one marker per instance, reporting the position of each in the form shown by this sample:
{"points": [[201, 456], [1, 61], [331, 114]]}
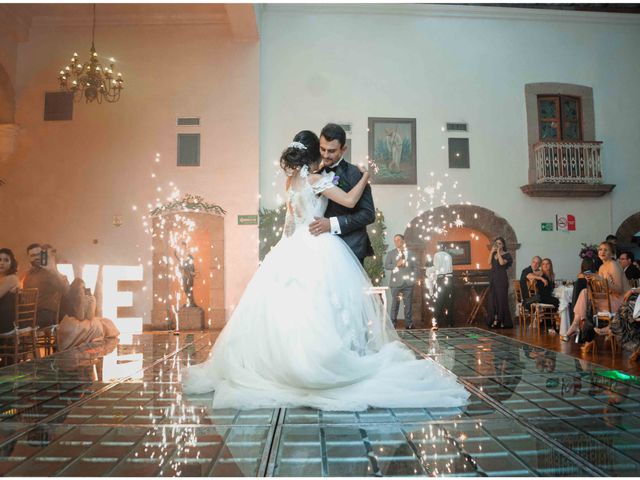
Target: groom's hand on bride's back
{"points": [[319, 226]]}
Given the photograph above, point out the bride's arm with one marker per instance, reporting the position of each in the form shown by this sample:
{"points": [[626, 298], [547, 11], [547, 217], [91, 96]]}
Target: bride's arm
{"points": [[289, 221], [348, 199]]}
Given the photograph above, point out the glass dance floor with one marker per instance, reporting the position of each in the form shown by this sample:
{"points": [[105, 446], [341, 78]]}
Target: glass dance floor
{"points": [[118, 410]]}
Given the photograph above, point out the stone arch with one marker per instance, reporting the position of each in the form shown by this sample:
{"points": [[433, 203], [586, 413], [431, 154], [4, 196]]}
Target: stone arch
{"points": [[7, 97], [628, 228], [474, 217]]}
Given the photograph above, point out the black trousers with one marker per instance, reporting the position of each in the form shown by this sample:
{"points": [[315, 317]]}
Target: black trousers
{"points": [[444, 301]]}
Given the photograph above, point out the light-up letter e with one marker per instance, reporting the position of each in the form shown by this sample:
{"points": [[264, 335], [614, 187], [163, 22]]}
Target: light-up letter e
{"points": [[112, 298]]}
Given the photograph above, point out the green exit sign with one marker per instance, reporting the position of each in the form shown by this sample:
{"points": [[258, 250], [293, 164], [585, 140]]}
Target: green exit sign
{"points": [[546, 227], [247, 219]]}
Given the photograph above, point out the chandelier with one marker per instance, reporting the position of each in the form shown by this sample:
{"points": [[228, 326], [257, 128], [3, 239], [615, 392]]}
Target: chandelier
{"points": [[91, 80]]}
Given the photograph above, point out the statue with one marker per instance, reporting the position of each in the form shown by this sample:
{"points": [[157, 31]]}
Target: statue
{"points": [[188, 273]]}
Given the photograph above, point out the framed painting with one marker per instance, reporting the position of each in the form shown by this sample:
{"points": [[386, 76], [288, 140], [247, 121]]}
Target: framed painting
{"points": [[460, 251], [392, 147]]}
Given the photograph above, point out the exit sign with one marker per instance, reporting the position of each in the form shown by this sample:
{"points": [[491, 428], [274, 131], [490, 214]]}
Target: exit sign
{"points": [[247, 219], [546, 227]]}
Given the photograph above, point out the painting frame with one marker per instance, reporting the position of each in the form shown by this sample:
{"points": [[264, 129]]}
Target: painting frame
{"points": [[460, 251], [392, 147]]}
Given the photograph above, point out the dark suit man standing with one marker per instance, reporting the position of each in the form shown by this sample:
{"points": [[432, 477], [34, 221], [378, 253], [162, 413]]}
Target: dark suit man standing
{"points": [[403, 266], [349, 223], [626, 261]]}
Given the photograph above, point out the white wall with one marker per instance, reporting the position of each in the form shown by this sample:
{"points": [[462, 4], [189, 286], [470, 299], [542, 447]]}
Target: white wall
{"points": [[68, 179], [437, 64]]}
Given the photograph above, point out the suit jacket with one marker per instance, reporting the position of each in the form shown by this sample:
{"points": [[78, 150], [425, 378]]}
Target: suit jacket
{"points": [[524, 282], [632, 272], [401, 277], [353, 221]]}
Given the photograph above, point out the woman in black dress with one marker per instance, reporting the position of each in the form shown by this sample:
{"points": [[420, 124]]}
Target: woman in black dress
{"points": [[500, 260], [8, 285]]}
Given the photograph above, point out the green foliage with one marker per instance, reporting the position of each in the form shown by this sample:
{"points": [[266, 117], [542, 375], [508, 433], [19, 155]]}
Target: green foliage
{"points": [[270, 227], [374, 266]]}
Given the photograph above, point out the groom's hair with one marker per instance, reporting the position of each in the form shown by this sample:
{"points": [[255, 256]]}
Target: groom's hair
{"points": [[333, 131]]}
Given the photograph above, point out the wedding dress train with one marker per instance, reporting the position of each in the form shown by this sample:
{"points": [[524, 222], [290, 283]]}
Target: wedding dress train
{"points": [[307, 332]]}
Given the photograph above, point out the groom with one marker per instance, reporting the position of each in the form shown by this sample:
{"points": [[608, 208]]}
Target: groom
{"points": [[349, 223]]}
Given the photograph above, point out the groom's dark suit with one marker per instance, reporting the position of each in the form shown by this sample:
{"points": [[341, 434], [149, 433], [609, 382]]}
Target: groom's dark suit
{"points": [[353, 221]]}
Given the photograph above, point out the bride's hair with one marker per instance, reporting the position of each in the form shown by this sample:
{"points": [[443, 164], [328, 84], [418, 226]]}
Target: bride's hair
{"points": [[296, 157]]}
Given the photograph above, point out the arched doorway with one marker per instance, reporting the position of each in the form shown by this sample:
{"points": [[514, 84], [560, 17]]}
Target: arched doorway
{"points": [[629, 228], [7, 97], [481, 226], [628, 234], [8, 130]]}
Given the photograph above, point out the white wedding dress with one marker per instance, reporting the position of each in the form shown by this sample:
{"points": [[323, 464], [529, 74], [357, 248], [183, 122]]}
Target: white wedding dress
{"points": [[306, 332]]}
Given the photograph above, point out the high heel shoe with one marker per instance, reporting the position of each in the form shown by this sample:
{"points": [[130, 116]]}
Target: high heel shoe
{"points": [[588, 346]]}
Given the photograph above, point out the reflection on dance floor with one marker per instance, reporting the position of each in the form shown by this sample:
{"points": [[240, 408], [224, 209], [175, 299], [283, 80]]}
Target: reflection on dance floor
{"points": [[118, 410]]}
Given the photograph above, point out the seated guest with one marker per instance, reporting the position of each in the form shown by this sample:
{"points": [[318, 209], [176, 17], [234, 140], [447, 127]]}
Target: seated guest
{"points": [[627, 262], [9, 284], [79, 324], [51, 285], [618, 285], [528, 275], [624, 326], [547, 284], [587, 267]]}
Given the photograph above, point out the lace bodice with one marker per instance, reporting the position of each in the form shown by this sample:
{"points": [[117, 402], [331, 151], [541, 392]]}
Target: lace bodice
{"points": [[304, 201]]}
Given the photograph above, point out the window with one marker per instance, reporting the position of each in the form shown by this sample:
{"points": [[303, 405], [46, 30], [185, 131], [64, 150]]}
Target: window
{"points": [[458, 153], [559, 118], [58, 106], [188, 149]]}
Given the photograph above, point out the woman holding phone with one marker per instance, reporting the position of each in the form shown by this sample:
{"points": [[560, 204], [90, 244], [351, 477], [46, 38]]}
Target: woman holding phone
{"points": [[500, 260]]}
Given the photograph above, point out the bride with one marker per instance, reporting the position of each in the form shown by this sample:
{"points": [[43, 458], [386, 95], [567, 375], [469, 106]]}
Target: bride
{"points": [[306, 332]]}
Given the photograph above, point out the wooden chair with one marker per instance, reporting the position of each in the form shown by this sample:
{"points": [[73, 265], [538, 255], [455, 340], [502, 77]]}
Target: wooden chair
{"points": [[524, 315], [540, 312], [600, 298], [46, 336], [21, 342]]}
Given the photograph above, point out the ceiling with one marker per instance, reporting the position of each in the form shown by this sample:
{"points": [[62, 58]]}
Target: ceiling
{"points": [[20, 18]]}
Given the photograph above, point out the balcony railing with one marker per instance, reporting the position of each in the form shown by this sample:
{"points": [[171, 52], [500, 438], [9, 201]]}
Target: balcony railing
{"points": [[568, 162]]}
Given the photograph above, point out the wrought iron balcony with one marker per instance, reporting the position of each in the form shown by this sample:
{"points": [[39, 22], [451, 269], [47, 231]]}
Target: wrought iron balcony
{"points": [[567, 169], [568, 162]]}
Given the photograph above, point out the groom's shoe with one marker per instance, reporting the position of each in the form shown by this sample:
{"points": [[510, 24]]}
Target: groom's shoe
{"points": [[409, 327]]}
